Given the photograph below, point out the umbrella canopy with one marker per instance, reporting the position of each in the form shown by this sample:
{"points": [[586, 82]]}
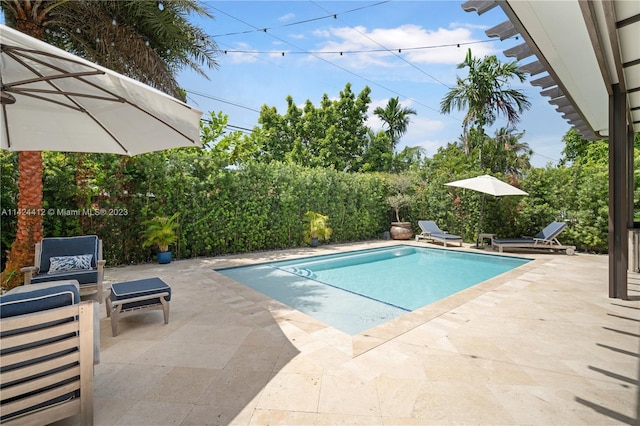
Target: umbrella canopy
{"points": [[55, 101], [488, 185]]}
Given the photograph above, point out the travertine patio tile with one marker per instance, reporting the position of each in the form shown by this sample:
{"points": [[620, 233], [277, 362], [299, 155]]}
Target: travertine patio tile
{"points": [[155, 413], [282, 417], [291, 392], [252, 358], [542, 344], [347, 419], [218, 415], [131, 381], [182, 385], [125, 351], [550, 406], [232, 335], [114, 408], [398, 396], [459, 403], [193, 355], [349, 394], [445, 367], [234, 389]]}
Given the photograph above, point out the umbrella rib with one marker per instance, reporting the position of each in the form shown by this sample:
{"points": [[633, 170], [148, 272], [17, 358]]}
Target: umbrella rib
{"points": [[59, 91], [19, 51], [22, 51], [53, 101], [6, 125], [116, 140], [16, 52], [63, 73], [27, 91], [20, 54]]}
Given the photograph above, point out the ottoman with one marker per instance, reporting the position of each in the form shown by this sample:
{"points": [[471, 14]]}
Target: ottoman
{"points": [[131, 297]]}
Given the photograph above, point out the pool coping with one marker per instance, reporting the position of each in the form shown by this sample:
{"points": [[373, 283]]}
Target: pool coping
{"points": [[356, 345]]}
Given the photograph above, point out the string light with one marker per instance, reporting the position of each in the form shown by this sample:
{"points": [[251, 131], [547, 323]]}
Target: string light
{"points": [[381, 50]]}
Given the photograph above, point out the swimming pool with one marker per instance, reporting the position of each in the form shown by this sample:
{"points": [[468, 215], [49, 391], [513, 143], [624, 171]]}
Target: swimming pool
{"points": [[358, 290]]}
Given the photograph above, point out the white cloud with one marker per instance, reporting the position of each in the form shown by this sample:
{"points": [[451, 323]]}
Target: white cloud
{"points": [[287, 17], [468, 25], [240, 57], [418, 45]]}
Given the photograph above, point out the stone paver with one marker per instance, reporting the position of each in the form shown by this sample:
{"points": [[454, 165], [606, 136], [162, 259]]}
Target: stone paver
{"points": [[539, 345]]}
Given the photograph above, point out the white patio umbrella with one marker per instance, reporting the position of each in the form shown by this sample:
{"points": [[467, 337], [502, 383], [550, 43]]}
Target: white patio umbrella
{"points": [[55, 101], [486, 184]]}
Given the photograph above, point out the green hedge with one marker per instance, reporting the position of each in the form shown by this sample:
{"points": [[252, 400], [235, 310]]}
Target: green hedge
{"points": [[261, 206], [257, 207]]}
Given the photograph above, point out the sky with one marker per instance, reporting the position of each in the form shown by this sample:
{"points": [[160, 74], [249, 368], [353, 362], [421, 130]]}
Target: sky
{"points": [[404, 49]]}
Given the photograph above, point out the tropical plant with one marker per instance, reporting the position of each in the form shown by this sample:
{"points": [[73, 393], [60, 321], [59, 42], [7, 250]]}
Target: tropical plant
{"points": [[316, 226], [331, 135], [504, 153], [161, 231], [396, 118], [150, 41], [399, 198], [483, 94]]}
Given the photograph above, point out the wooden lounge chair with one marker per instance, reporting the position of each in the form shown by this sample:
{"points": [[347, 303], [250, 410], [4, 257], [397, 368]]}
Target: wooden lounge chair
{"points": [[430, 231], [545, 239], [47, 351]]}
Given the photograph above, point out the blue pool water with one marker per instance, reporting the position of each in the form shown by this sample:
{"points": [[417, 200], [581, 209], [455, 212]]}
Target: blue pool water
{"points": [[358, 290]]}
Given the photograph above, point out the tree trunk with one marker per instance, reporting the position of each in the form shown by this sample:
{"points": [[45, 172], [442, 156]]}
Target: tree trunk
{"points": [[30, 217], [30, 220]]}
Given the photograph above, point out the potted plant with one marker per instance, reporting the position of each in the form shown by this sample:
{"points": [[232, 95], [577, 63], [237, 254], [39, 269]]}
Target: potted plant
{"points": [[397, 200], [316, 228], [161, 232]]}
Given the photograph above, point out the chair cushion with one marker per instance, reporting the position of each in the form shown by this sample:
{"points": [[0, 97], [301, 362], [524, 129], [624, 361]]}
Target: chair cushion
{"points": [[83, 277], [68, 246], [147, 287], [69, 263], [31, 298]]}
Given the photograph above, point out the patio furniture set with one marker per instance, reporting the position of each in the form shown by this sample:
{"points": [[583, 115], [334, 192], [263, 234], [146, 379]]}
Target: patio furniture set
{"points": [[50, 335]]}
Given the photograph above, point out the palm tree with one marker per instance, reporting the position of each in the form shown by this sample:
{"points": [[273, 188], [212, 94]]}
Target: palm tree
{"points": [[483, 95], [517, 152], [149, 41], [396, 118]]}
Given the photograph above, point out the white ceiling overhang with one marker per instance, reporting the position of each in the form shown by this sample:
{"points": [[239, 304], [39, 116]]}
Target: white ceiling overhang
{"points": [[579, 50]]}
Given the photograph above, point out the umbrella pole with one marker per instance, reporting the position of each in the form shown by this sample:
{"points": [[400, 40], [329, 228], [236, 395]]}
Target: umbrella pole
{"points": [[480, 221]]}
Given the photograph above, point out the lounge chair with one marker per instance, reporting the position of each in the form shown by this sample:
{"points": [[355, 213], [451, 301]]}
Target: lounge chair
{"points": [[545, 239], [430, 231], [49, 342], [69, 258]]}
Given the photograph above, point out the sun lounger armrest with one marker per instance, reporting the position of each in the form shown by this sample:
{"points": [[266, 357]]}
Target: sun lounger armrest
{"points": [[28, 272]]}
